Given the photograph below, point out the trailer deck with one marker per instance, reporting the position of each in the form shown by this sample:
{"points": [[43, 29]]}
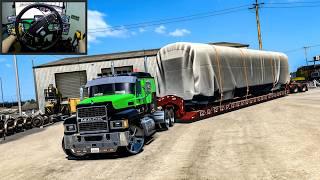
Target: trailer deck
{"points": [[208, 111]]}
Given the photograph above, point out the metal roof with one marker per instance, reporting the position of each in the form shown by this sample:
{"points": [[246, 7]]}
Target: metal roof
{"points": [[100, 57], [120, 56]]}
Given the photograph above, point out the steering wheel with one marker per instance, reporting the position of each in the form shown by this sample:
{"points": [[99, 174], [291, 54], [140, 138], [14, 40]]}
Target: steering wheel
{"points": [[36, 36]]}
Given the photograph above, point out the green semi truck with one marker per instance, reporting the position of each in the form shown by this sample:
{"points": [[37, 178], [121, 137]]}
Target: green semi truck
{"points": [[119, 114]]}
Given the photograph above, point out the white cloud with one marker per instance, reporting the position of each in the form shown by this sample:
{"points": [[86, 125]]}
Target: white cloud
{"points": [[160, 30], [179, 33], [8, 65], [142, 30], [99, 28]]}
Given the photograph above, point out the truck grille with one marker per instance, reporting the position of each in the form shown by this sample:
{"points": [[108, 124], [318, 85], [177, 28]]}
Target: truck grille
{"points": [[94, 111], [93, 126]]}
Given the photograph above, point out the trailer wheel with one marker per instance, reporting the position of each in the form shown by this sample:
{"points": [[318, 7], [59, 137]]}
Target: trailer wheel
{"points": [[295, 89], [172, 118], [304, 88], [70, 153], [136, 140]]}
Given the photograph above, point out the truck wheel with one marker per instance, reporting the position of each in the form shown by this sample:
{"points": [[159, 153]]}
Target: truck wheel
{"points": [[166, 124], [172, 118], [70, 152], [136, 140]]}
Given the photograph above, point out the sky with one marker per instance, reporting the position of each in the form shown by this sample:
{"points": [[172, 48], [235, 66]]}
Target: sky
{"points": [[283, 29]]}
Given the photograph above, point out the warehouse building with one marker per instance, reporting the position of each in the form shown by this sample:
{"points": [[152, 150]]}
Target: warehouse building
{"points": [[69, 74]]}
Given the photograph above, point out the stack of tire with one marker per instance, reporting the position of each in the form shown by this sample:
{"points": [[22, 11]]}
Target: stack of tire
{"points": [[19, 124], [27, 123], [2, 129], [9, 126], [39, 120]]}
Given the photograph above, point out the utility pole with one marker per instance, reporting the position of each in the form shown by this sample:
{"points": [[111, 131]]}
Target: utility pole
{"points": [[1, 92], [306, 54], [256, 6], [17, 83]]}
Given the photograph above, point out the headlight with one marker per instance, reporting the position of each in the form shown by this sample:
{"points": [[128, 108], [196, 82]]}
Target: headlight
{"points": [[119, 124], [70, 128]]}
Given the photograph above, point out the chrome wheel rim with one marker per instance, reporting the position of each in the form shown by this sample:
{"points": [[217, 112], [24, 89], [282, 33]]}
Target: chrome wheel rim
{"points": [[135, 143]]}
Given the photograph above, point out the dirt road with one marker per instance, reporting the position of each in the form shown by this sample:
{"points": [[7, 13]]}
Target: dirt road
{"points": [[279, 139]]}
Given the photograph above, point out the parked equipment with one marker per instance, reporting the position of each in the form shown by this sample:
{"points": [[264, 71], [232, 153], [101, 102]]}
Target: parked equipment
{"points": [[296, 87], [53, 99]]}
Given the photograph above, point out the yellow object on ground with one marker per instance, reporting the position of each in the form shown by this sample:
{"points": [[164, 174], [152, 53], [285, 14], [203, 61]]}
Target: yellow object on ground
{"points": [[298, 79], [73, 104]]}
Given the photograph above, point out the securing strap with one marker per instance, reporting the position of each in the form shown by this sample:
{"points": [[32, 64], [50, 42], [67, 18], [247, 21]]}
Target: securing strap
{"points": [[245, 70], [272, 72], [219, 72]]}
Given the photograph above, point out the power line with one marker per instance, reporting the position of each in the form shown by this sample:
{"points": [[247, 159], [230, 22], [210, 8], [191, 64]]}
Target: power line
{"points": [[302, 48], [289, 7], [299, 2], [173, 20], [177, 18], [306, 4]]}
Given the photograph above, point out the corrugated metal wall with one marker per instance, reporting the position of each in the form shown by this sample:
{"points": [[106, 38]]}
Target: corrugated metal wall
{"points": [[45, 76]]}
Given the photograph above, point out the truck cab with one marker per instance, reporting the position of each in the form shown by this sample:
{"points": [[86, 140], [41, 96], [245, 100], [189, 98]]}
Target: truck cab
{"points": [[118, 114]]}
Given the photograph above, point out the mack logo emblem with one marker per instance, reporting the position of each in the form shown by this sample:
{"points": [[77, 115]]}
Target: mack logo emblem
{"points": [[90, 119]]}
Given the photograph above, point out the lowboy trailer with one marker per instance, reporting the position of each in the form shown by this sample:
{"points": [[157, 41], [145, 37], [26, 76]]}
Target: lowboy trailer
{"points": [[199, 113]]}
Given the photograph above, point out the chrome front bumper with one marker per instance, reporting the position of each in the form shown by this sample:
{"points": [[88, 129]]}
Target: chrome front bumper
{"points": [[96, 143]]}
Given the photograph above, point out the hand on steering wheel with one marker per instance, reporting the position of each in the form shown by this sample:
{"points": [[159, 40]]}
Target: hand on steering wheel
{"points": [[35, 37]]}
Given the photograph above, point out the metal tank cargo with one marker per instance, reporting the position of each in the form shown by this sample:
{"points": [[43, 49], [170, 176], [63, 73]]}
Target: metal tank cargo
{"points": [[199, 72]]}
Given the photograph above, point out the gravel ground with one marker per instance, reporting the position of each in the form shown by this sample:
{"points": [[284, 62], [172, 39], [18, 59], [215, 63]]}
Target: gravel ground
{"points": [[279, 139]]}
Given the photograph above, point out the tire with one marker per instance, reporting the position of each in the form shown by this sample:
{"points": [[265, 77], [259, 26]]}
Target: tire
{"points": [[37, 121], [295, 89], [304, 89], [2, 129], [70, 153], [172, 118], [166, 124], [136, 140]]}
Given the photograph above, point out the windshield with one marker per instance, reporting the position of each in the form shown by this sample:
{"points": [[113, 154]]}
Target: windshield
{"points": [[107, 89]]}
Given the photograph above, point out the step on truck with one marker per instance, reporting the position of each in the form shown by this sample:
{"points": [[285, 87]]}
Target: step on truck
{"points": [[119, 114]]}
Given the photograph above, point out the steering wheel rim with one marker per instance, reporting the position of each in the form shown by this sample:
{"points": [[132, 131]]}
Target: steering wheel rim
{"points": [[38, 6]]}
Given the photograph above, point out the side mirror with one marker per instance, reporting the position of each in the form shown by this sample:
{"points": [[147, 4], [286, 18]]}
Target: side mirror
{"points": [[148, 88]]}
